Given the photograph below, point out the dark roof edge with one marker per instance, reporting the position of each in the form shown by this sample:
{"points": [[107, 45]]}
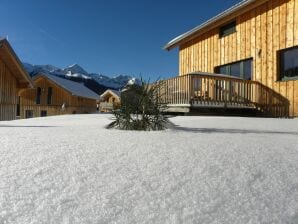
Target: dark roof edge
{"points": [[172, 44]]}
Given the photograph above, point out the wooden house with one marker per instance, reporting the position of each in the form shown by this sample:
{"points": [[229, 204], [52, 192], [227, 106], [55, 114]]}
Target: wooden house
{"points": [[54, 96], [13, 78], [109, 100], [254, 46]]}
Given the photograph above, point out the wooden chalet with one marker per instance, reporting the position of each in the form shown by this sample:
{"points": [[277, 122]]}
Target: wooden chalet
{"points": [[245, 57], [55, 96], [109, 100], [13, 78]]}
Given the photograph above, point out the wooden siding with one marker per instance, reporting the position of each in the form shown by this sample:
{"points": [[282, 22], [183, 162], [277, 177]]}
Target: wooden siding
{"points": [[8, 93], [109, 102], [73, 104], [261, 33]]}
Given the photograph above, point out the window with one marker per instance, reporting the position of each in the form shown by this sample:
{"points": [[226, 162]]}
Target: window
{"points": [[241, 69], [19, 107], [28, 113], [288, 63], [43, 113], [50, 92], [227, 29], [38, 94]]}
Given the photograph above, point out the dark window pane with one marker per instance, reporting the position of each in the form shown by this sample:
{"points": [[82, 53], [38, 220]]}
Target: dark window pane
{"points": [[43, 113], [241, 69], [19, 106], [289, 63], [50, 92], [38, 94], [224, 70], [28, 113], [227, 29], [247, 69], [235, 69]]}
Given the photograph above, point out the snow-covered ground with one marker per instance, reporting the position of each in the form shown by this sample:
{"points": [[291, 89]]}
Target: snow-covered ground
{"points": [[70, 169]]}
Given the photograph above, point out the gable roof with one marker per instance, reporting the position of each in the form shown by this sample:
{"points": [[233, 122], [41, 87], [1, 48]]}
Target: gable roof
{"points": [[14, 64], [218, 19], [76, 89], [112, 92]]}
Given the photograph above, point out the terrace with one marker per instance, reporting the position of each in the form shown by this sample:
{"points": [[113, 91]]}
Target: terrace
{"points": [[206, 90]]}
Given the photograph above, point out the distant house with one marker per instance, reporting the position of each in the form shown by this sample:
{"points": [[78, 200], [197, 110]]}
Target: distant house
{"points": [[254, 46], [109, 100], [54, 96], [13, 78]]}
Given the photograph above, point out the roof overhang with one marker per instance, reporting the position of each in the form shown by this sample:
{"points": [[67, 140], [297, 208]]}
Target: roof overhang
{"points": [[14, 64], [108, 91], [214, 22]]}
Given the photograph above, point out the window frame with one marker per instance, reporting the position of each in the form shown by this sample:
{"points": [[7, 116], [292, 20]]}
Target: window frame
{"points": [[280, 64], [43, 113], [241, 75], [29, 114], [50, 96], [231, 27], [38, 96]]}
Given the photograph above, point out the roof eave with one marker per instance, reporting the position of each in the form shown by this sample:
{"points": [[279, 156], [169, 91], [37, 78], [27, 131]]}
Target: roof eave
{"points": [[17, 61], [181, 38], [111, 92]]}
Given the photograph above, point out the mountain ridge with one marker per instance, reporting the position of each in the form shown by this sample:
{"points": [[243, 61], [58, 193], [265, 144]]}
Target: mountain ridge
{"points": [[95, 81]]}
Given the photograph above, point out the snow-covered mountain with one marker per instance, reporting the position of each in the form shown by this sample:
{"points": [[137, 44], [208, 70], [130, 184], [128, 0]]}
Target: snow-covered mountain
{"points": [[76, 69], [77, 73]]}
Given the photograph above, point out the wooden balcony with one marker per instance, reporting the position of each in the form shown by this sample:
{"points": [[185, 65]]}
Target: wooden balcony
{"points": [[106, 106], [205, 90]]}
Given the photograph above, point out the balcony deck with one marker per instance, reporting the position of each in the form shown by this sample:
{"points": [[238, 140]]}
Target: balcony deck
{"points": [[206, 90]]}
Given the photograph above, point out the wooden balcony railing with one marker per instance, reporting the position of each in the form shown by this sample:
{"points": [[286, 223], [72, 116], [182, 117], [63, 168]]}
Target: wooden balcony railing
{"points": [[106, 106], [213, 90]]}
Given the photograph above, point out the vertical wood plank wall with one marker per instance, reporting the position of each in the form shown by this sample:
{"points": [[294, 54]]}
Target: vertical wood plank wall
{"points": [[261, 33], [74, 104], [8, 93]]}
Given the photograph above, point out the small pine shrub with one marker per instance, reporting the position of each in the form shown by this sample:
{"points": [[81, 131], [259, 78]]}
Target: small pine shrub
{"points": [[141, 108]]}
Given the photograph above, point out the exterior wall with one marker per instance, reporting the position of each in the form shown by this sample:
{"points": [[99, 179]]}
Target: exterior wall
{"points": [[261, 33], [108, 104], [8, 93], [73, 104]]}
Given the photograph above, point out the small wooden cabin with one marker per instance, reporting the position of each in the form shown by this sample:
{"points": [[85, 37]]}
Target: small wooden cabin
{"points": [[109, 100], [256, 42], [13, 78], [54, 96]]}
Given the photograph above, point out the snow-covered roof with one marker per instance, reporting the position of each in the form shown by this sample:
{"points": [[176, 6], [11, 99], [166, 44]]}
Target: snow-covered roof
{"points": [[173, 43], [111, 91], [76, 89]]}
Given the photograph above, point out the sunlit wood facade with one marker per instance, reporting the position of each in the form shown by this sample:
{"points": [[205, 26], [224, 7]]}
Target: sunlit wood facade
{"points": [[265, 35], [13, 78], [109, 100], [49, 98]]}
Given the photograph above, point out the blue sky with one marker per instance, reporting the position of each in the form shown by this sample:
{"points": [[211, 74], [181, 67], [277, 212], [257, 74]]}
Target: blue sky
{"points": [[104, 36]]}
